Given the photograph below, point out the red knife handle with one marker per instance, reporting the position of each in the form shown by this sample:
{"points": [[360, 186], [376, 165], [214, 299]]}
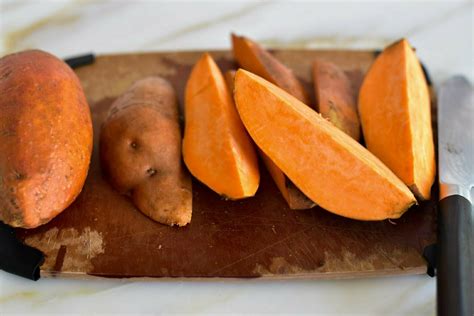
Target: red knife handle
{"points": [[454, 262]]}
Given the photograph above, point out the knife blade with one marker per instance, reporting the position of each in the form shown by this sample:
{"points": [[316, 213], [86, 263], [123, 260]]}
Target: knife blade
{"points": [[456, 177], [456, 137]]}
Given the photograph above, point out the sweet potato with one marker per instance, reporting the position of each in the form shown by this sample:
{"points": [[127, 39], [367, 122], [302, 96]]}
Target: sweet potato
{"points": [[326, 164], [394, 106], [45, 138], [254, 58], [216, 148], [335, 97], [140, 151], [294, 197]]}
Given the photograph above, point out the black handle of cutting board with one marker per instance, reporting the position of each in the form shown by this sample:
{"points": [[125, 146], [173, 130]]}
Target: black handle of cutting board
{"points": [[18, 258], [79, 61], [454, 272]]}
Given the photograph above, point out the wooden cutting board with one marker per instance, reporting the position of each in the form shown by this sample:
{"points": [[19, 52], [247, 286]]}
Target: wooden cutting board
{"points": [[102, 234]]}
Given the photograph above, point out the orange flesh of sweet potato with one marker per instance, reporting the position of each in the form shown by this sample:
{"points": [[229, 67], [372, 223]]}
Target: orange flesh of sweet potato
{"points": [[140, 151], [45, 138], [326, 164], [336, 98], [254, 58], [294, 197], [216, 148], [394, 107]]}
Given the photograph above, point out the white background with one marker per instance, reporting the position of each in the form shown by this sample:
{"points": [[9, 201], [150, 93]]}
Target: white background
{"points": [[442, 33]]}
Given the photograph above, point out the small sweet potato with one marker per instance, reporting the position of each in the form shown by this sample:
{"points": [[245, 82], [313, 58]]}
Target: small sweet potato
{"points": [[45, 138], [140, 151], [336, 99]]}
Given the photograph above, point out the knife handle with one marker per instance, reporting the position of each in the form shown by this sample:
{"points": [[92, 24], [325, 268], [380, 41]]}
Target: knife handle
{"points": [[454, 273]]}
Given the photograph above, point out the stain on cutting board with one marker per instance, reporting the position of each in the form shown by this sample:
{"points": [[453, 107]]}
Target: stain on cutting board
{"points": [[102, 234], [68, 249]]}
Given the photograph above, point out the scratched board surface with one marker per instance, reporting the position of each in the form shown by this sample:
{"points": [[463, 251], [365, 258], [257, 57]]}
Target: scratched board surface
{"points": [[102, 234]]}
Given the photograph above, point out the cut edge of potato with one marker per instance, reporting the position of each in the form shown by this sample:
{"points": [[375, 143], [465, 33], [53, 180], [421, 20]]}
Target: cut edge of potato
{"points": [[216, 147], [384, 195]]}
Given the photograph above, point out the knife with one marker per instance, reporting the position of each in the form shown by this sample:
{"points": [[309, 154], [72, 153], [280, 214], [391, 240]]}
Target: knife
{"points": [[456, 179]]}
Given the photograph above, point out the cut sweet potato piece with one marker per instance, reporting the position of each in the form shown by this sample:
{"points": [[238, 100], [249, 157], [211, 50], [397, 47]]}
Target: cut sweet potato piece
{"points": [[326, 164], [336, 99], [294, 197], [216, 148], [254, 58], [140, 151], [394, 106]]}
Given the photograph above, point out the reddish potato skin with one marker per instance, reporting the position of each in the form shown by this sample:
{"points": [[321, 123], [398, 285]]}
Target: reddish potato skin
{"points": [[254, 58], [336, 97], [140, 151], [45, 138]]}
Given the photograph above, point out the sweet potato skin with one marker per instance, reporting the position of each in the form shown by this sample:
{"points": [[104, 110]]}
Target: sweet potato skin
{"points": [[229, 80], [294, 197], [140, 151], [335, 97], [45, 138], [252, 57], [395, 111]]}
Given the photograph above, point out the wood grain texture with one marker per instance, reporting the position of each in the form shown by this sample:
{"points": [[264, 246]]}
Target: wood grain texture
{"points": [[102, 234]]}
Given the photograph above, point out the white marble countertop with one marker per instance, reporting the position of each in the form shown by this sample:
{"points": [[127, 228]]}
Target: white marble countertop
{"points": [[442, 33]]}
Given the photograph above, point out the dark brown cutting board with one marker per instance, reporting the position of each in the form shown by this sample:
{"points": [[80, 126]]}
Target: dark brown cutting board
{"points": [[102, 234]]}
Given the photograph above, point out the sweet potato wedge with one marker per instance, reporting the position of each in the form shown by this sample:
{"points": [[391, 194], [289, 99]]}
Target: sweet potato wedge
{"points": [[335, 98], [294, 197], [45, 138], [216, 148], [326, 164], [140, 151], [394, 106], [252, 57]]}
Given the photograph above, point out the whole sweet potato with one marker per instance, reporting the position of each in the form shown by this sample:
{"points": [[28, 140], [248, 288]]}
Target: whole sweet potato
{"points": [[140, 150], [45, 138]]}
